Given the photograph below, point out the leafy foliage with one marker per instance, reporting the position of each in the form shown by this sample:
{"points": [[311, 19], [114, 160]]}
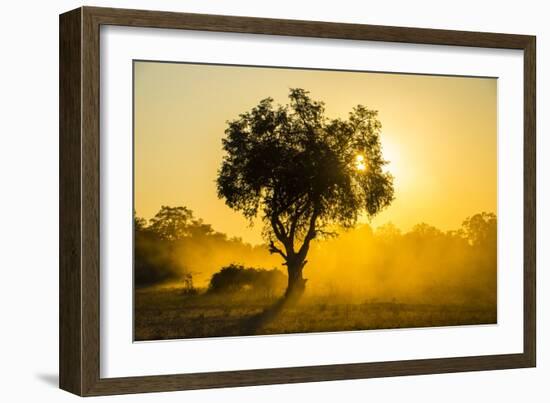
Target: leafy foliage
{"points": [[480, 229], [175, 223]]}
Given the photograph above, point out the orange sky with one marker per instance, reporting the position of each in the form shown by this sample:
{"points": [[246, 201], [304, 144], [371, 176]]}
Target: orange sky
{"points": [[439, 134]]}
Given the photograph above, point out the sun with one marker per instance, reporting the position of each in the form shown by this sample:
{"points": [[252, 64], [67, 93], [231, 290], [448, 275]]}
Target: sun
{"points": [[360, 163]]}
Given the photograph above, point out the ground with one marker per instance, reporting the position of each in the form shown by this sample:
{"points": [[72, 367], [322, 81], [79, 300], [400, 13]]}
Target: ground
{"points": [[169, 313]]}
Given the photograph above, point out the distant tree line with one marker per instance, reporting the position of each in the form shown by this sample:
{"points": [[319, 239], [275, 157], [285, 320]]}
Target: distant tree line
{"points": [[156, 257], [423, 264], [176, 247]]}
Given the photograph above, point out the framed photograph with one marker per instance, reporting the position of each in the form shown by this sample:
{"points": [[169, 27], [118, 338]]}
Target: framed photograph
{"points": [[248, 201]]}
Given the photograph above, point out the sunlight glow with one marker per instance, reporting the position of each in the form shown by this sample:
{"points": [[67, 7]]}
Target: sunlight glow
{"points": [[360, 164]]}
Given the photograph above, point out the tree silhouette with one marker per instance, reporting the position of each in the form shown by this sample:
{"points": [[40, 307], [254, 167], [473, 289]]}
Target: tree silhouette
{"points": [[303, 173], [171, 223], [480, 229]]}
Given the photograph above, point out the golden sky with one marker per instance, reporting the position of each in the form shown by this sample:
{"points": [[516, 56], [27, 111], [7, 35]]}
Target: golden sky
{"points": [[439, 134]]}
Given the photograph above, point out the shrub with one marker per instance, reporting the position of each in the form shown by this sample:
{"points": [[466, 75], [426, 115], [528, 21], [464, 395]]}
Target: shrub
{"points": [[238, 279]]}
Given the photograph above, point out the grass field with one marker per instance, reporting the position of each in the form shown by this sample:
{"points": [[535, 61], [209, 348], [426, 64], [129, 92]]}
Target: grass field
{"points": [[162, 314]]}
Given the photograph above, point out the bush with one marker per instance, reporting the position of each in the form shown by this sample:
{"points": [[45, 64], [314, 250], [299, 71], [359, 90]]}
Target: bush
{"points": [[237, 278]]}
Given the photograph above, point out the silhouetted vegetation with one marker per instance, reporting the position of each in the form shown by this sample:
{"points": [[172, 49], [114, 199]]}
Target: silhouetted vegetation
{"points": [[309, 179], [362, 279], [158, 244], [303, 173], [239, 279], [174, 247], [154, 259], [424, 265]]}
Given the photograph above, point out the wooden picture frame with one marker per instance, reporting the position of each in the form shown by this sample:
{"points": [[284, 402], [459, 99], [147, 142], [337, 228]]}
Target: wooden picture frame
{"points": [[80, 184]]}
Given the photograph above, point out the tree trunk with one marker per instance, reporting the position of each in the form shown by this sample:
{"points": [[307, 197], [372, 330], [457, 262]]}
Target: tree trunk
{"points": [[296, 282]]}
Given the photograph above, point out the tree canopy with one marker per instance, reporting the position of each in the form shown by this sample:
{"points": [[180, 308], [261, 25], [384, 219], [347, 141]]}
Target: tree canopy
{"points": [[174, 223]]}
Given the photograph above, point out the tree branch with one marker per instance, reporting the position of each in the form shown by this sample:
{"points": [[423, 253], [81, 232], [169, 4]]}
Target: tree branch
{"points": [[311, 232], [281, 235], [290, 203], [296, 219], [278, 228], [273, 249]]}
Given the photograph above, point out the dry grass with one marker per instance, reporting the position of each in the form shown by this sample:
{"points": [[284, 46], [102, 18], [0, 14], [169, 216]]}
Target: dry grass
{"points": [[170, 314]]}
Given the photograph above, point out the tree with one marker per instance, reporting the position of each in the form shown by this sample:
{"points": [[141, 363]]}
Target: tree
{"points": [[176, 223], [171, 223], [480, 229], [303, 174]]}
